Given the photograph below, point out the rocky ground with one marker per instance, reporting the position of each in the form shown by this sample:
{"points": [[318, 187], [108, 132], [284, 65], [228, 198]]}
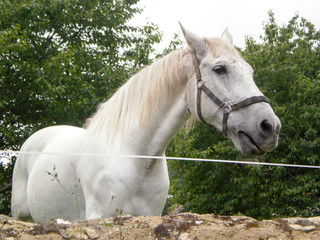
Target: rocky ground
{"points": [[182, 226]]}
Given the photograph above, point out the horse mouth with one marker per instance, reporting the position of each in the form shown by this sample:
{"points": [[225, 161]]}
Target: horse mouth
{"points": [[248, 145]]}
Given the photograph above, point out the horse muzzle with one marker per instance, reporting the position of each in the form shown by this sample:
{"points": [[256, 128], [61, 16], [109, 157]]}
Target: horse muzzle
{"points": [[265, 138]]}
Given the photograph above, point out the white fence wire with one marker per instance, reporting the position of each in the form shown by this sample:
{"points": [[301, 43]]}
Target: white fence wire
{"points": [[4, 152]]}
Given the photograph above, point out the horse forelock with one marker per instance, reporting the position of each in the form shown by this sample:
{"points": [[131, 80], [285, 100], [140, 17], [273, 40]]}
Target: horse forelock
{"points": [[137, 99], [217, 45]]}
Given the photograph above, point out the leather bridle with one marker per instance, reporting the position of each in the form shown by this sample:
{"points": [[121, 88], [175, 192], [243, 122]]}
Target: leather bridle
{"points": [[226, 107]]}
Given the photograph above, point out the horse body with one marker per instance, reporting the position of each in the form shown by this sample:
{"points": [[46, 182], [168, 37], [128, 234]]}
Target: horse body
{"points": [[140, 186], [140, 119]]}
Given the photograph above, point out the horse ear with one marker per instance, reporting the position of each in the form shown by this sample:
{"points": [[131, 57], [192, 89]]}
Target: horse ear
{"points": [[227, 36], [197, 44]]}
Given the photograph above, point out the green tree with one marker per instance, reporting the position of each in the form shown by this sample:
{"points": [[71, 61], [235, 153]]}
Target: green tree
{"points": [[286, 61], [59, 59]]}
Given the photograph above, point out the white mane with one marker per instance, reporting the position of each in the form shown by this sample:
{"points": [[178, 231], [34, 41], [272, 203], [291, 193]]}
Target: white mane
{"points": [[140, 96]]}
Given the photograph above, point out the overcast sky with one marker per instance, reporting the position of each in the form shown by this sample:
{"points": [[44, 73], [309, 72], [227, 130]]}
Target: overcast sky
{"points": [[211, 17]]}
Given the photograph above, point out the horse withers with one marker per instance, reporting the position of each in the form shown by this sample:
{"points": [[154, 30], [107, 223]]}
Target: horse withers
{"points": [[208, 80]]}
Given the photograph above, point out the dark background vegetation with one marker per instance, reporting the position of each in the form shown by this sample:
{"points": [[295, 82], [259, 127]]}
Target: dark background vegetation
{"points": [[60, 59]]}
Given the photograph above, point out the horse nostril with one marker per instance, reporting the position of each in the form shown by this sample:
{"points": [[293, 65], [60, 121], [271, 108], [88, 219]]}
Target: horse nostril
{"points": [[266, 127]]}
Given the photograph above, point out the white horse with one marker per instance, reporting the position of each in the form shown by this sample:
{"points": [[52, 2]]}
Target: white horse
{"points": [[140, 119]]}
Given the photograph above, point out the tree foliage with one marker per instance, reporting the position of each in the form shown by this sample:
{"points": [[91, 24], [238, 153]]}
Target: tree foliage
{"points": [[286, 61], [59, 59]]}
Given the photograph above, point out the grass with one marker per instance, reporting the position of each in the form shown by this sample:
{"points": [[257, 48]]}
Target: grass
{"points": [[73, 195]]}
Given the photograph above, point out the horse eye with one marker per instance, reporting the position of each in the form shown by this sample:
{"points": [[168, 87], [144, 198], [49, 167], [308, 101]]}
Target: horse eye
{"points": [[220, 70]]}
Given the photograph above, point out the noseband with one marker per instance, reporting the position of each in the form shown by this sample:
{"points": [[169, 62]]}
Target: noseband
{"points": [[226, 107]]}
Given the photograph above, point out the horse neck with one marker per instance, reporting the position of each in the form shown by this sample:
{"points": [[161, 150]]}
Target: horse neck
{"points": [[153, 137], [145, 113]]}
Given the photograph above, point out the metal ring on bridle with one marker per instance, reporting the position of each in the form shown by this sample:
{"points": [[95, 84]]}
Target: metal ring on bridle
{"points": [[226, 107], [199, 83]]}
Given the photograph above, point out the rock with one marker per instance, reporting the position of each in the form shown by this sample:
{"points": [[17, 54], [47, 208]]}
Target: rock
{"points": [[302, 228], [183, 226], [184, 236], [91, 233]]}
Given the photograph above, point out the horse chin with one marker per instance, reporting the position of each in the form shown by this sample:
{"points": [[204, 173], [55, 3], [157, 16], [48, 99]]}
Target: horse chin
{"points": [[247, 145]]}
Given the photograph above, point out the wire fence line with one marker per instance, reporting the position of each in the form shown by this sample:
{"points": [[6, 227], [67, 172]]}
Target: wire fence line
{"points": [[9, 152]]}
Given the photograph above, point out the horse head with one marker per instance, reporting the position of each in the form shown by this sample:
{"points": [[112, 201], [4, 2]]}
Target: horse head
{"points": [[221, 92]]}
